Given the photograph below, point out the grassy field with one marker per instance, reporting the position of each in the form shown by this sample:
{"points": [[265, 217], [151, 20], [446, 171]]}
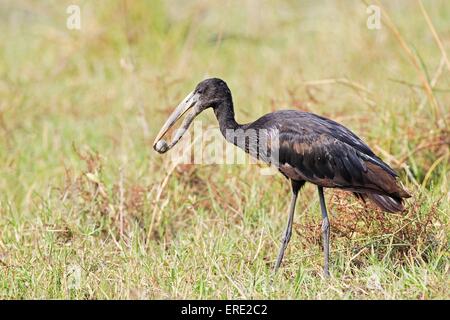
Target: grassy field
{"points": [[89, 211]]}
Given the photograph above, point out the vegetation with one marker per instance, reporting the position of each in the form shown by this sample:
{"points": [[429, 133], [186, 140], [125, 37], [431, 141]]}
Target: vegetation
{"points": [[89, 211]]}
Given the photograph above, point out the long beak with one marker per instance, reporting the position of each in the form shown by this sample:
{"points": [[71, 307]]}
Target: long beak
{"points": [[187, 103]]}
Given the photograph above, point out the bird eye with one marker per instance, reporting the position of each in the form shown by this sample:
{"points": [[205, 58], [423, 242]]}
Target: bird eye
{"points": [[200, 91]]}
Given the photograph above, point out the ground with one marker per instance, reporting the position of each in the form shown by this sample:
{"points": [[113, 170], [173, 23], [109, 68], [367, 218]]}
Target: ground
{"points": [[89, 211]]}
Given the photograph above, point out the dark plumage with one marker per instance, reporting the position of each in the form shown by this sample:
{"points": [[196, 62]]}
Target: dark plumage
{"points": [[323, 152], [311, 149]]}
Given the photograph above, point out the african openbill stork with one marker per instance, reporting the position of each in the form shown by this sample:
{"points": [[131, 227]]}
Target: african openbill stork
{"points": [[311, 149]]}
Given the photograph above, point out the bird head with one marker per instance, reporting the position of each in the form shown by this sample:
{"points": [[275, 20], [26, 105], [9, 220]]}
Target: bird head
{"points": [[209, 93]]}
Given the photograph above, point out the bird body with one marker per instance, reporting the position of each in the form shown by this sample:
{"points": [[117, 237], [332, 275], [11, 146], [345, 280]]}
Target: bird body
{"points": [[323, 152], [309, 148]]}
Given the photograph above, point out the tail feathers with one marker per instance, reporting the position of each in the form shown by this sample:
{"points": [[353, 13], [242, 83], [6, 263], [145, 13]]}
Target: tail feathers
{"points": [[386, 203], [384, 182]]}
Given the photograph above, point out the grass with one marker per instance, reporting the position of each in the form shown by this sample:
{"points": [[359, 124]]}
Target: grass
{"points": [[89, 211]]}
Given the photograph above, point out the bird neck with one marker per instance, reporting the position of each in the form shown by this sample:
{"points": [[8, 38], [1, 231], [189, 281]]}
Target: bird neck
{"points": [[225, 116]]}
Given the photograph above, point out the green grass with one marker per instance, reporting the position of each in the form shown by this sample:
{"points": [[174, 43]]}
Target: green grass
{"points": [[77, 123]]}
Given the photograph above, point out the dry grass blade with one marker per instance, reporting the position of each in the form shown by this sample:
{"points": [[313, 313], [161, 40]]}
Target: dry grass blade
{"points": [[434, 80], [432, 168], [344, 81], [435, 35], [438, 113], [234, 283], [121, 202]]}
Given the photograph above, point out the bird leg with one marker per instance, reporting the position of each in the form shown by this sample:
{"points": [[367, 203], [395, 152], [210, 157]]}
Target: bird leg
{"points": [[325, 233], [287, 234]]}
